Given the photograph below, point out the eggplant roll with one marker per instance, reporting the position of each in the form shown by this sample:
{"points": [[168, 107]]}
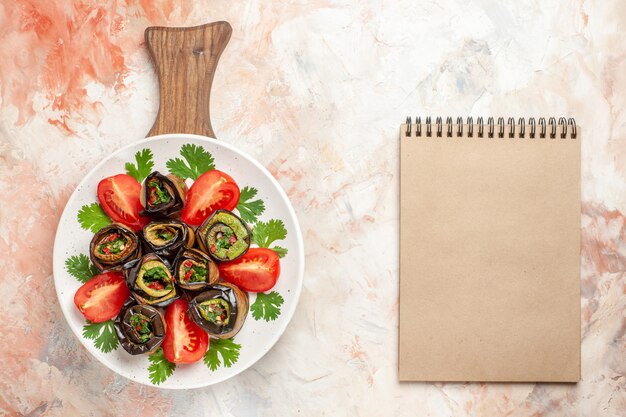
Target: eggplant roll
{"points": [[167, 237], [224, 236], [194, 270], [140, 328], [150, 281], [220, 310], [113, 246], [162, 196]]}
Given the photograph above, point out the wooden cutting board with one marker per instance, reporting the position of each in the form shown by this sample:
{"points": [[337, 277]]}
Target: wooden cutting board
{"points": [[186, 59]]}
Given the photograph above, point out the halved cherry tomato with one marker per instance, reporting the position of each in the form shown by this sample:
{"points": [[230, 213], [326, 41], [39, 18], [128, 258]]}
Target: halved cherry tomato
{"points": [[256, 271], [102, 297], [119, 197], [185, 341], [212, 191]]}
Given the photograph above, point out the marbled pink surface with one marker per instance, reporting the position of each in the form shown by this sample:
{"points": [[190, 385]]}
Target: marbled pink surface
{"points": [[316, 92]]}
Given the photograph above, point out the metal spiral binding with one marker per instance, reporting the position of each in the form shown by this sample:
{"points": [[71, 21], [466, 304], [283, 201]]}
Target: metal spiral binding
{"points": [[511, 123], [545, 130]]}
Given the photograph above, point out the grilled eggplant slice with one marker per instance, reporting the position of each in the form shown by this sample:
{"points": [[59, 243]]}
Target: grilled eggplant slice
{"points": [[113, 246], [220, 310], [224, 236], [150, 281], [140, 328], [167, 237], [162, 196], [194, 270]]}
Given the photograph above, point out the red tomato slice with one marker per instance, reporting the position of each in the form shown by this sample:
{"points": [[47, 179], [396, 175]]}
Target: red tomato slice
{"points": [[119, 197], [102, 297], [185, 341], [212, 191], [256, 271]]}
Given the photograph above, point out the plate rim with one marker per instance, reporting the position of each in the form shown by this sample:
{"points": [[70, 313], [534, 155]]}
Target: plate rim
{"points": [[57, 262]]}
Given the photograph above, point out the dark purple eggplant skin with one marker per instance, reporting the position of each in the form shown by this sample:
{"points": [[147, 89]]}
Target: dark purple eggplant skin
{"points": [[117, 265], [131, 271], [164, 210], [126, 334], [238, 301], [171, 249]]}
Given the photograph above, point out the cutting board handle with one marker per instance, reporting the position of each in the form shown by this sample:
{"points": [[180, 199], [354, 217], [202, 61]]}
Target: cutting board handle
{"points": [[185, 59]]}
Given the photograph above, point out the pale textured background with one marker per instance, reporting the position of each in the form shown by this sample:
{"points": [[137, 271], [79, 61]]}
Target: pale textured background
{"points": [[316, 92]]}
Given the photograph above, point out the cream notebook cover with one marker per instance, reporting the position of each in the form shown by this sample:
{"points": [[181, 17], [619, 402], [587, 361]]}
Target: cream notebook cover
{"points": [[490, 251]]}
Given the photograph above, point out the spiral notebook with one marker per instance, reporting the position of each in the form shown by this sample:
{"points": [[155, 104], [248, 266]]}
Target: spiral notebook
{"points": [[489, 250]]}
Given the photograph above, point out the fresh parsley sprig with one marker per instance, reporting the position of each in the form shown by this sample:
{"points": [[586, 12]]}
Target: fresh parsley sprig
{"points": [[103, 334], [80, 267], [144, 165], [92, 217], [198, 160], [226, 348], [266, 233], [267, 306], [280, 251], [160, 368], [250, 210]]}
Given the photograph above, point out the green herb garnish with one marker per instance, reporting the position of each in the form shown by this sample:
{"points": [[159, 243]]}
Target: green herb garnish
{"points": [[216, 311], [226, 348], [267, 306], [114, 247], [280, 251], [160, 368], [141, 324], [266, 233], [224, 241], [156, 273], [80, 268], [163, 234], [143, 167], [250, 210], [92, 217], [198, 160], [103, 334], [157, 194], [198, 274]]}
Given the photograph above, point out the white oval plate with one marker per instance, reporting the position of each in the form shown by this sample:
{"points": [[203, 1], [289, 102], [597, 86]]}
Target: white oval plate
{"points": [[257, 336]]}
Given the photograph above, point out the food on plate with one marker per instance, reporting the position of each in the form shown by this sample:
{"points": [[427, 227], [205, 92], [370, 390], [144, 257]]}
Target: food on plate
{"points": [[213, 190], [113, 246], [140, 328], [220, 310], [102, 297], [162, 196], [224, 236], [256, 271], [119, 198], [150, 281], [194, 270], [185, 341], [173, 265], [167, 237]]}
